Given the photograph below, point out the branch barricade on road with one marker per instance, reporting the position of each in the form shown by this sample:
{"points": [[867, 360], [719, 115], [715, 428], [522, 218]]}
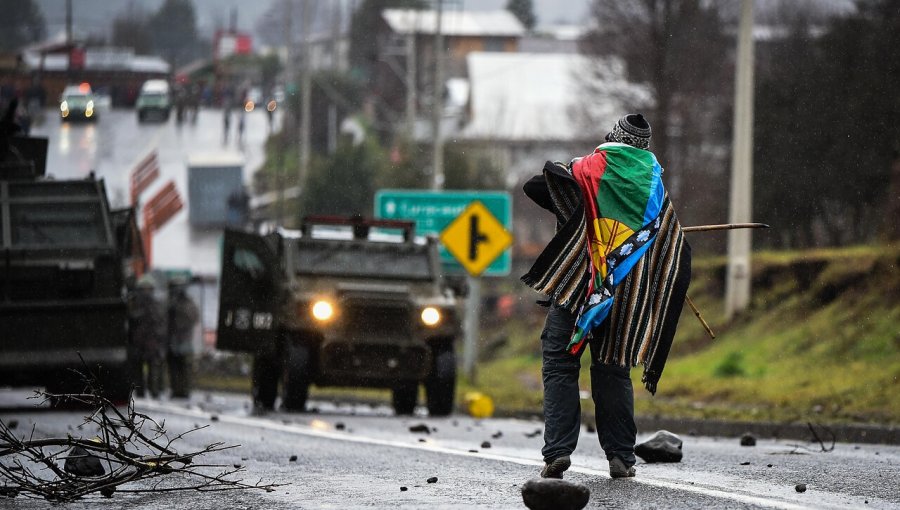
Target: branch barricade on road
{"points": [[129, 447]]}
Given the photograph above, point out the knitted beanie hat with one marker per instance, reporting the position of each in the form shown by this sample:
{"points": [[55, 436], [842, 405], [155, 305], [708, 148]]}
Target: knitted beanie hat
{"points": [[632, 129]]}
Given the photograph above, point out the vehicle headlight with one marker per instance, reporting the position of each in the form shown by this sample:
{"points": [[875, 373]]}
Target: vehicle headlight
{"points": [[90, 105], [64, 106], [431, 316], [271, 105], [322, 310], [249, 106]]}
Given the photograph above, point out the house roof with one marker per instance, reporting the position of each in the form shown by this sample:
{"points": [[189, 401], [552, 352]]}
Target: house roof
{"points": [[521, 97], [455, 23], [100, 60]]}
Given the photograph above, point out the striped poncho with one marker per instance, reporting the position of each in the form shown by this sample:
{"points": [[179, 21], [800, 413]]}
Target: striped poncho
{"points": [[619, 254]]}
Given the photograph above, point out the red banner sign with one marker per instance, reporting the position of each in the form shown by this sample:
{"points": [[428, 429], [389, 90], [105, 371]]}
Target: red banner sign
{"points": [[162, 206], [157, 211], [143, 175]]}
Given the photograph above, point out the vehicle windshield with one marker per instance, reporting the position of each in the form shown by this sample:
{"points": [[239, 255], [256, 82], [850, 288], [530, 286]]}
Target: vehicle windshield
{"points": [[370, 260], [77, 99], [154, 97]]}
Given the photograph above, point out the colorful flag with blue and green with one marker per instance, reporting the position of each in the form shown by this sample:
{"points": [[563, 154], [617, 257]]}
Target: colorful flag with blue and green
{"points": [[623, 197]]}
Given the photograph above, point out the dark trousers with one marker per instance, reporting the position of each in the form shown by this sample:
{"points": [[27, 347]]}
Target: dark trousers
{"points": [[152, 381], [180, 374], [610, 388]]}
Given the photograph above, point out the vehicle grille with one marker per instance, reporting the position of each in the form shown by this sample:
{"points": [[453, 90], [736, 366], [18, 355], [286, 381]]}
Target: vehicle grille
{"points": [[368, 322], [370, 363]]}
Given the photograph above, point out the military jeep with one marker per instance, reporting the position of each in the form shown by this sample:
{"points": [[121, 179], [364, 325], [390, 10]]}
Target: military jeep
{"points": [[342, 302]]}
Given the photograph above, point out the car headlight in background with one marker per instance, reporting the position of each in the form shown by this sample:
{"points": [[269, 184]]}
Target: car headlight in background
{"points": [[64, 106], [431, 316], [90, 105], [271, 105], [249, 106], [322, 310]]}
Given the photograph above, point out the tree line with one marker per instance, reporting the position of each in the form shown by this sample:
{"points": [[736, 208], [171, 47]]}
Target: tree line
{"points": [[826, 130]]}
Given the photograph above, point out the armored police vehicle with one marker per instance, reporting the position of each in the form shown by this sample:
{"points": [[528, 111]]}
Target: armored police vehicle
{"points": [[342, 302], [63, 262]]}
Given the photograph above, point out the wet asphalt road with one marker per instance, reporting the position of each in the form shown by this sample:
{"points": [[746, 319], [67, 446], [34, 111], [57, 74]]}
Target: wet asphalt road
{"points": [[357, 456]]}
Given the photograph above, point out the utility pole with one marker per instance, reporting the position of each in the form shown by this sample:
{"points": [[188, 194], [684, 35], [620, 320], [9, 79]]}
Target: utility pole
{"points": [[289, 79], [411, 93], [68, 21], [335, 57], [737, 284], [437, 175], [305, 94]]}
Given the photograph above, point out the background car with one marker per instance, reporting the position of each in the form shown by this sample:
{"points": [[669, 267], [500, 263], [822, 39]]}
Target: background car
{"points": [[77, 103], [154, 100]]}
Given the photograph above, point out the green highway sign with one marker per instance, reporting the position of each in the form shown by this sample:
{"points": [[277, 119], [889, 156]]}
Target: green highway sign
{"points": [[434, 211]]}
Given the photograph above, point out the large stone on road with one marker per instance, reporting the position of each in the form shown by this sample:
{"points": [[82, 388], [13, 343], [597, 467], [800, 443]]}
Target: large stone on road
{"points": [[554, 494], [663, 446], [80, 462]]}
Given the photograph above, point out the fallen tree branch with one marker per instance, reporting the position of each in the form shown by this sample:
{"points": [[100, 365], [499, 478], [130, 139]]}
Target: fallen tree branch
{"points": [[129, 447], [819, 440], [816, 438]]}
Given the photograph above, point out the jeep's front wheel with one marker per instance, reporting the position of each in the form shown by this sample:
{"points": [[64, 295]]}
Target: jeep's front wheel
{"points": [[264, 380], [116, 383], [404, 398], [440, 387], [296, 378]]}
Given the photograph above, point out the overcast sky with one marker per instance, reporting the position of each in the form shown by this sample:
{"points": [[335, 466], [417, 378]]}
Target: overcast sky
{"points": [[95, 16]]}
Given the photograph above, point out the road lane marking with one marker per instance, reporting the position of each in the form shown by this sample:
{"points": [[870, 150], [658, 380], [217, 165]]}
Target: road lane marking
{"points": [[744, 495]]}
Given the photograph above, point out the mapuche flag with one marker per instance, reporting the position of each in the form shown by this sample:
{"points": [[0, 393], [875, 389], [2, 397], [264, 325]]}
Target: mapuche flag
{"points": [[623, 197]]}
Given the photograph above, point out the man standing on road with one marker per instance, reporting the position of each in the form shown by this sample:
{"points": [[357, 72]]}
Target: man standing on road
{"points": [[147, 326], [616, 274], [183, 315]]}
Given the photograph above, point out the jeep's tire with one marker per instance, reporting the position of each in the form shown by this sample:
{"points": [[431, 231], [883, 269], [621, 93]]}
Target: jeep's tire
{"points": [[404, 398], [296, 378], [440, 387], [264, 380], [116, 383], [63, 382]]}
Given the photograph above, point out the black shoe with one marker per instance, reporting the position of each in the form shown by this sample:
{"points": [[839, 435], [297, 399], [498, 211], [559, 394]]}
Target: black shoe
{"points": [[618, 469], [260, 409], [556, 467]]}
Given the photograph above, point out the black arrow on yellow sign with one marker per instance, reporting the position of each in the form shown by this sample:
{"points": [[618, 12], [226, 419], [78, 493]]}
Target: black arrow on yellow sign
{"points": [[476, 237]]}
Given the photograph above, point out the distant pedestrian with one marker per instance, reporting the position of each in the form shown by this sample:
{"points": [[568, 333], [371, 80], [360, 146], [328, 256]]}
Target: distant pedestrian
{"points": [[240, 127], [616, 274], [147, 327], [183, 316], [226, 112], [270, 114]]}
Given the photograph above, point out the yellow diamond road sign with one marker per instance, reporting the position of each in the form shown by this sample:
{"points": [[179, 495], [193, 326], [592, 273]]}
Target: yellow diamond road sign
{"points": [[476, 238]]}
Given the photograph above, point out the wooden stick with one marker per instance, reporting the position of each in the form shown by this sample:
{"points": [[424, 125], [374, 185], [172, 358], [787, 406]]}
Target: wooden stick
{"points": [[726, 226], [690, 303]]}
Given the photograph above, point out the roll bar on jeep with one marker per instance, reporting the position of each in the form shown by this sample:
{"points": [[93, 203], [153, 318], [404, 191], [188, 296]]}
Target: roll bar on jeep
{"points": [[360, 225]]}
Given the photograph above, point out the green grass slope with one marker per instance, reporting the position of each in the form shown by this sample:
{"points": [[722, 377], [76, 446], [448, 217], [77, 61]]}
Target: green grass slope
{"points": [[821, 342]]}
